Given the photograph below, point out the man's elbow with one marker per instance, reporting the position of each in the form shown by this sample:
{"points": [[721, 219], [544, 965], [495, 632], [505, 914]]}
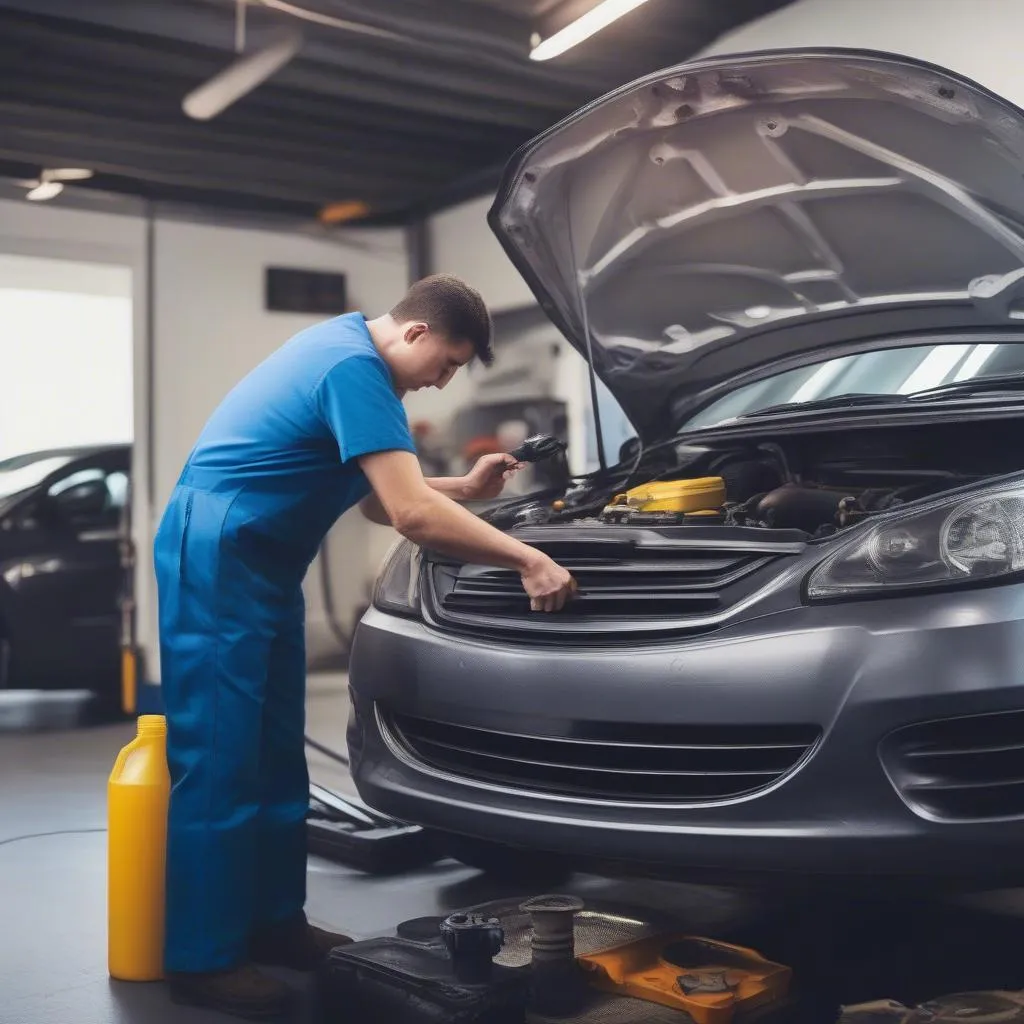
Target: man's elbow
{"points": [[374, 511], [412, 521]]}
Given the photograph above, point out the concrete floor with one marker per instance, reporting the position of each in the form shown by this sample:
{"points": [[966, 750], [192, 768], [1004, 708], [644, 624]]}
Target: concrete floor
{"points": [[52, 898]]}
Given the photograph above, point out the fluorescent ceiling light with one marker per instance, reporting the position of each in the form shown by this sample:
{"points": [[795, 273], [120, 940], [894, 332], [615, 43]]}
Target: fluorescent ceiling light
{"points": [[47, 190], [240, 78], [67, 174], [584, 27]]}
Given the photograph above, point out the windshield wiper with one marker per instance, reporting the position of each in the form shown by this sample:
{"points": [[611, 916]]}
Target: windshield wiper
{"points": [[1003, 382], [1000, 382], [835, 402]]}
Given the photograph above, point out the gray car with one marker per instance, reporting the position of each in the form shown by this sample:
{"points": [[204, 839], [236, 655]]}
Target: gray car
{"points": [[801, 275]]}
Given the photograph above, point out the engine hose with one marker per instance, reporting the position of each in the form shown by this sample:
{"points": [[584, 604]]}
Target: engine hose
{"points": [[780, 455]]}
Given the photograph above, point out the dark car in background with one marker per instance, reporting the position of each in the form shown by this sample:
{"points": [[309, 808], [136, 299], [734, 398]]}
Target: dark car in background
{"points": [[61, 577], [798, 646]]}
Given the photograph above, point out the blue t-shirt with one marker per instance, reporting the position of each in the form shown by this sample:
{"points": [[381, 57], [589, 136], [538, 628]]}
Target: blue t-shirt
{"points": [[284, 442]]}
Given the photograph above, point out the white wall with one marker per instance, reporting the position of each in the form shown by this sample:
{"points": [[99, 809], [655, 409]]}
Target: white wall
{"points": [[209, 330], [976, 38], [461, 243]]}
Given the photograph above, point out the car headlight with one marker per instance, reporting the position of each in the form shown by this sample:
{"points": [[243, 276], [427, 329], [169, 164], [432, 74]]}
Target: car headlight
{"points": [[956, 541], [397, 586]]}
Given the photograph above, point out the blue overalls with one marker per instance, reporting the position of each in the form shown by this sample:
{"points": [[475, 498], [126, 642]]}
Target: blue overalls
{"points": [[272, 470]]}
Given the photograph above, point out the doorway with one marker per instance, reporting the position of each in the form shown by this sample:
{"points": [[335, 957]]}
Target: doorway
{"points": [[65, 354]]}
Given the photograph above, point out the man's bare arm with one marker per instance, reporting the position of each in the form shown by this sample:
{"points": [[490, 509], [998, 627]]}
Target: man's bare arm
{"points": [[450, 486], [429, 518]]}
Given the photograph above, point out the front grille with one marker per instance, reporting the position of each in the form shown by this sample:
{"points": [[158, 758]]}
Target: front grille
{"points": [[627, 584], [968, 768], [632, 763]]}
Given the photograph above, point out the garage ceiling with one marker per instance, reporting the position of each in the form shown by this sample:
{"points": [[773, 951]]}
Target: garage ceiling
{"points": [[418, 112]]}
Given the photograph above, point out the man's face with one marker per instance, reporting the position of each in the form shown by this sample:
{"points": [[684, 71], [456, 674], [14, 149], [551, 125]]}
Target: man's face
{"points": [[427, 359]]}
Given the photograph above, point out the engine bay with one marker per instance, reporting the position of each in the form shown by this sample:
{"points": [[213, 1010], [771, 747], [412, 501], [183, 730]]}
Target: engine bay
{"points": [[816, 483]]}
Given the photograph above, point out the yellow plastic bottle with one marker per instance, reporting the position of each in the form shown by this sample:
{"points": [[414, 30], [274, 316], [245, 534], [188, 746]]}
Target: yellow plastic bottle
{"points": [[137, 796]]}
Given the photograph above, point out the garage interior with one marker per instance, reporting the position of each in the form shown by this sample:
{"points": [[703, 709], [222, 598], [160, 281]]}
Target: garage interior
{"points": [[150, 257]]}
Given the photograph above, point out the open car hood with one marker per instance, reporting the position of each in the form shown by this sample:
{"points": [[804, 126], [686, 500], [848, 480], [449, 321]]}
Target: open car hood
{"points": [[731, 214]]}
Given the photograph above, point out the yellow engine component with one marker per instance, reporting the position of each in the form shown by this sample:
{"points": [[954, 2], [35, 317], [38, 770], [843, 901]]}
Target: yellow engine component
{"points": [[689, 496], [711, 981]]}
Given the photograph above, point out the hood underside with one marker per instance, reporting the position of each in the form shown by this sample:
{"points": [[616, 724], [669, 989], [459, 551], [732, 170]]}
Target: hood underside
{"points": [[725, 215]]}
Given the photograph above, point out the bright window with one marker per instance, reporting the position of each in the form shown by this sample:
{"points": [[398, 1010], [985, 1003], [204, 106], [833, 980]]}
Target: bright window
{"points": [[65, 354]]}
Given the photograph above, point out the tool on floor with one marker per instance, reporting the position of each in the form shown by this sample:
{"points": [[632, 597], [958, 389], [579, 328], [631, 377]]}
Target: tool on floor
{"points": [[541, 972], [712, 981], [345, 830], [557, 988], [404, 981], [472, 942], [993, 1007], [138, 792]]}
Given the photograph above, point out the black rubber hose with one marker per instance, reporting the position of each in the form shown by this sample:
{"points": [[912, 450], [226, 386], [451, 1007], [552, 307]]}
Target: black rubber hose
{"points": [[327, 752]]}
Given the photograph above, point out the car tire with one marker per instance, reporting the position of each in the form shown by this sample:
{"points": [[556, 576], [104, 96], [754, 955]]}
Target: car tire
{"points": [[506, 862]]}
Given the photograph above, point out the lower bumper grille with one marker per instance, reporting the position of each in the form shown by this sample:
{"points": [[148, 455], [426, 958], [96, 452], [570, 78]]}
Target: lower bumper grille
{"points": [[635, 764], [961, 769]]}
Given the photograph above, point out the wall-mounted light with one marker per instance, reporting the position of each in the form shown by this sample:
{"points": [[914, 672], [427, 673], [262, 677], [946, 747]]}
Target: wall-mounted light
{"points": [[583, 27], [343, 212]]}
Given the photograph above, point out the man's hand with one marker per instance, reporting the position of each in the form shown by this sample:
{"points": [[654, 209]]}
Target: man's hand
{"points": [[487, 478], [431, 520], [547, 584]]}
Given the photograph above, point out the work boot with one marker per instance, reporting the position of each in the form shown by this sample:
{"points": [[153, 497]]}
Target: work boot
{"points": [[294, 943], [241, 991]]}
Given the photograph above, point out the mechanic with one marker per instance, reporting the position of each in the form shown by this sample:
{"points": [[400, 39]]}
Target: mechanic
{"points": [[316, 428]]}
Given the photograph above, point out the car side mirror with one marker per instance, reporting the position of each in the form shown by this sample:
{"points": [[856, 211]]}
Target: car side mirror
{"points": [[86, 500]]}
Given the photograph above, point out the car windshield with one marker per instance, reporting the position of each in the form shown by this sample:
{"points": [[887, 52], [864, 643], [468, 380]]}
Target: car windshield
{"points": [[25, 471], [892, 375]]}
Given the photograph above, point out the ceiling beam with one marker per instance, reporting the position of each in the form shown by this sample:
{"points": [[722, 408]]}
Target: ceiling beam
{"points": [[283, 179], [282, 123], [104, 78], [174, 142], [379, 89]]}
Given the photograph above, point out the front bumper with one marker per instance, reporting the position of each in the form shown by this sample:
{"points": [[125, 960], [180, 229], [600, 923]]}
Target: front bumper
{"points": [[860, 671]]}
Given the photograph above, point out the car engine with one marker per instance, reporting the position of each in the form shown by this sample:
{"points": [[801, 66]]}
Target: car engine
{"points": [[815, 484]]}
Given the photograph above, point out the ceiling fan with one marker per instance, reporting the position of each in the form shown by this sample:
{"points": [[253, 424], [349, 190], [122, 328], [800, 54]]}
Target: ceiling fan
{"points": [[50, 182]]}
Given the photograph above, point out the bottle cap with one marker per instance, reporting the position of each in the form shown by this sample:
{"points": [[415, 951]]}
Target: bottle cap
{"points": [[152, 725]]}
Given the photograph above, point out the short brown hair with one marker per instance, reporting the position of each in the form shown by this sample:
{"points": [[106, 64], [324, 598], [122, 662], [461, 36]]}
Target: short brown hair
{"points": [[451, 308]]}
